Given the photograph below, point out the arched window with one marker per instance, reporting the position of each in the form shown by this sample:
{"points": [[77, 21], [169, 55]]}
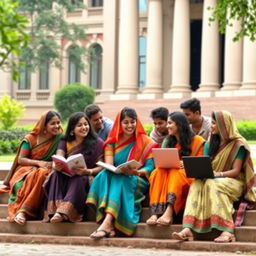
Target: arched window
{"points": [[96, 66], [142, 5], [25, 78], [44, 76], [73, 69], [142, 61]]}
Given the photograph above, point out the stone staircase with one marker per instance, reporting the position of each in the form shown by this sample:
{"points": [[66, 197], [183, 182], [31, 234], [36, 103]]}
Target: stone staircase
{"points": [[144, 237]]}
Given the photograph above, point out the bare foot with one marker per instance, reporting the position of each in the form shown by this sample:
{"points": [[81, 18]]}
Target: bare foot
{"points": [[164, 220], [184, 235], [152, 220], [20, 218]]}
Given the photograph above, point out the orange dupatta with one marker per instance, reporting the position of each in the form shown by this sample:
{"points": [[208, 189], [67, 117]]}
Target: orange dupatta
{"points": [[143, 143]]}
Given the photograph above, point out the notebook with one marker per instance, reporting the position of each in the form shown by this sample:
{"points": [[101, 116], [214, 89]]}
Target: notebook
{"points": [[166, 157], [199, 167]]}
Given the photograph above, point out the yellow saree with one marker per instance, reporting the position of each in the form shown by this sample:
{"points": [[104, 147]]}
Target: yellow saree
{"points": [[210, 201]]}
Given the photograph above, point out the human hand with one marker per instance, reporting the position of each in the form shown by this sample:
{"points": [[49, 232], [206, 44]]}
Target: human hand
{"points": [[57, 166], [181, 164], [130, 171], [45, 164]]}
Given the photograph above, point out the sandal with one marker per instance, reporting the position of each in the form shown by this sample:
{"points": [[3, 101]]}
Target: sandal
{"points": [[183, 235], [105, 234], [57, 217], [20, 218], [225, 237], [152, 220]]}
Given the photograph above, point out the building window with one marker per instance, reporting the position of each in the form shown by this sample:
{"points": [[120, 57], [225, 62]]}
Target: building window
{"points": [[96, 66], [24, 79], [73, 67], [97, 3], [76, 1], [44, 76], [142, 61], [142, 5]]}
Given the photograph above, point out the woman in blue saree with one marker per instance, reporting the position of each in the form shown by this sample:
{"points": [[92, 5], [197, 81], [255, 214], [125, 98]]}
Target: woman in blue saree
{"points": [[117, 197]]}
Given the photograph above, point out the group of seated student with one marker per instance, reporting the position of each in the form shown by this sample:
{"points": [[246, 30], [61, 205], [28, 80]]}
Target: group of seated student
{"points": [[37, 184]]}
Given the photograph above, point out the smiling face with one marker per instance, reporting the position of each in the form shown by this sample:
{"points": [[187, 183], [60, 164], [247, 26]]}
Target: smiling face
{"points": [[160, 125], [97, 121], [214, 127], [128, 126], [172, 127], [191, 116], [82, 128], [53, 126]]}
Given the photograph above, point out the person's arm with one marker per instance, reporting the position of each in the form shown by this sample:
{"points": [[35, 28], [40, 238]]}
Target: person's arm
{"points": [[24, 157], [236, 167]]}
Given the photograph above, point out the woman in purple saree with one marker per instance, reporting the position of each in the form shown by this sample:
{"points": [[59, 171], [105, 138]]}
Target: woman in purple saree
{"points": [[66, 195]]}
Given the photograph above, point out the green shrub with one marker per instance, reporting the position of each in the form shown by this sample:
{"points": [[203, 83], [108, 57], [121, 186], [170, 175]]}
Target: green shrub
{"points": [[10, 111], [148, 128], [10, 140], [72, 98], [247, 129]]}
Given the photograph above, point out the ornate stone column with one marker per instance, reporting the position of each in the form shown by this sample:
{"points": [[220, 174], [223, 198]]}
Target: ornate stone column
{"points": [[154, 48], [128, 49], [181, 48], [210, 60]]}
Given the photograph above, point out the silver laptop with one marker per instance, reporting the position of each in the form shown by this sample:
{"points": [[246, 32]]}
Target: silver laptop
{"points": [[166, 158]]}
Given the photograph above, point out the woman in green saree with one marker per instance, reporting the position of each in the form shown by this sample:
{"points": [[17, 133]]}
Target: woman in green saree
{"points": [[210, 201]]}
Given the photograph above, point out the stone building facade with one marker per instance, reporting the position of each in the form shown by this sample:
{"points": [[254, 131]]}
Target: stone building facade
{"points": [[146, 49]]}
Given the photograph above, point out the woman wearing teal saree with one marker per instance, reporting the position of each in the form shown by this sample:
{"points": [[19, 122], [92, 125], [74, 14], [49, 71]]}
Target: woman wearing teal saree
{"points": [[117, 197]]}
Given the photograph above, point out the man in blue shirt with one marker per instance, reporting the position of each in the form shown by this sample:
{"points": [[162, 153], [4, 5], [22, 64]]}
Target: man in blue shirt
{"points": [[102, 125]]}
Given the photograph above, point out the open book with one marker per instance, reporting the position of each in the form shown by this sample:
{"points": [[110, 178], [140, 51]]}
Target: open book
{"points": [[76, 160], [133, 164]]}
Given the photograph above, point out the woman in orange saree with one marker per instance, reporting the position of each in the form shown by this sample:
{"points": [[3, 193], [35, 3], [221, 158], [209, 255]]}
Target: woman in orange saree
{"points": [[169, 187], [31, 167], [118, 197]]}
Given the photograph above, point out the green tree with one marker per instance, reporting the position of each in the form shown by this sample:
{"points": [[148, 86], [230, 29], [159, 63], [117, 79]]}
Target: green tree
{"points": [[10, 111], [72, 98], [244, 10], [48, 28], [13, 36]]}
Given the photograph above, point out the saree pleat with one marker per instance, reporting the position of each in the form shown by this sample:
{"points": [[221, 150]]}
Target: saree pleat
{"points": [[170, 186]]}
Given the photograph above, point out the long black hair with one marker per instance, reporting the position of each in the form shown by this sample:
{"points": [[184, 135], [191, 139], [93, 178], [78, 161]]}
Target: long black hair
{"points": [[214, 143], [91, 138], [185, 133]]}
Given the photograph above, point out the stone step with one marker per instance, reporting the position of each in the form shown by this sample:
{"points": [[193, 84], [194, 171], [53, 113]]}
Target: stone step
{"points": [[250, 215], [130, 243], [243, 234]]}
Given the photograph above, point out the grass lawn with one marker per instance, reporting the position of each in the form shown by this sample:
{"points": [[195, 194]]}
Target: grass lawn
{"points": [[7, 158]]}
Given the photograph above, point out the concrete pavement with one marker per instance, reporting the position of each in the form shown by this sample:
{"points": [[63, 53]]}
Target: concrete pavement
{"points": [[59, 250]]}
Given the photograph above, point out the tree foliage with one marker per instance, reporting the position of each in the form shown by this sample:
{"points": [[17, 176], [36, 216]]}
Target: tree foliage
{"points": [[13, 36], [73, 98], [226, 11], [10, 112], [48, 28]]}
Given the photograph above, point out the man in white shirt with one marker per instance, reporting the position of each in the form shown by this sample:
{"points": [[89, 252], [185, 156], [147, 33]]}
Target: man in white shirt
{"points": [[201, 125]]}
